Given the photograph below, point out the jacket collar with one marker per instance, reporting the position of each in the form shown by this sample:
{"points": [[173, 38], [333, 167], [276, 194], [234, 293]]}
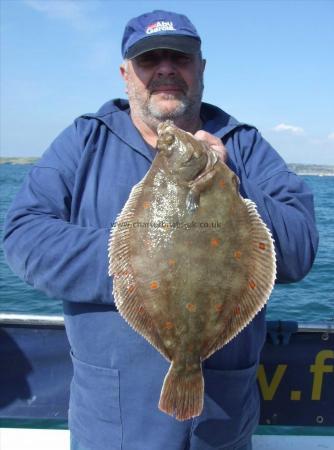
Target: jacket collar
{"points": [[218, 122], [115, 114]]}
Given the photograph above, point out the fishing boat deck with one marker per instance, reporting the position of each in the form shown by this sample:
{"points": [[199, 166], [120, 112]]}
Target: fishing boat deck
{"points": [[13, 439], [295, 382]]}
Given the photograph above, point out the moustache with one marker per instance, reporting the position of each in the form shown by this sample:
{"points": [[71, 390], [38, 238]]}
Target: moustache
{"points": [[156, 84]]}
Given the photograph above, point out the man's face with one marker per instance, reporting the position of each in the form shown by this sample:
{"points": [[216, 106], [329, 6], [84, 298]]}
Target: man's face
{"points": [[164, 84]]}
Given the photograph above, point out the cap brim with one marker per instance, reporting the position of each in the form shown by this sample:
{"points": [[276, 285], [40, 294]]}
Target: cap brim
{"points": [[184, 44]]}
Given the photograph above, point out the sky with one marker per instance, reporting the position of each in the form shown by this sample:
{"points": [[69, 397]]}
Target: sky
{"points": [[269, 64]]}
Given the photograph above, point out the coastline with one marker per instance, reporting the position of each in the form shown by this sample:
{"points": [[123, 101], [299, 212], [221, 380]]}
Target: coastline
{"points": [[312, 169], [299, 169], [18, 160]]}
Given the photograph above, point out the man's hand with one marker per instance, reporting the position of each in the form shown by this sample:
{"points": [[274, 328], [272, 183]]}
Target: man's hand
{"points": [[214, 142]]}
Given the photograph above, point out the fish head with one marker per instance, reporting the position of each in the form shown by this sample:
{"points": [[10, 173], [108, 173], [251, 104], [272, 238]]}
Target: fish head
{"points": [[185, 157]]}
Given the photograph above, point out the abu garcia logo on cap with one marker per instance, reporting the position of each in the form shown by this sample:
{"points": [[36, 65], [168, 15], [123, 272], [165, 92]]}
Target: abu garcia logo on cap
{"points": [[160, 26]]}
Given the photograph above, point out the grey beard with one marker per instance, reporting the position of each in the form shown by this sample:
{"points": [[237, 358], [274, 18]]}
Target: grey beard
{"points": [[183, 109], [187, 109]]}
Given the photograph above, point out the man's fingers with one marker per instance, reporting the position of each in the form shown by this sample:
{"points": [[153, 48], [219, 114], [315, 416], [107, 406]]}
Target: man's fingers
{"points": [[220, 150], [207, 137], [214, 142]]}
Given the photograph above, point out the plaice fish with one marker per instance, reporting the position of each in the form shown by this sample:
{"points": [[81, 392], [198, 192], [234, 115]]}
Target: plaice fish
{"points": [[192, 262]]}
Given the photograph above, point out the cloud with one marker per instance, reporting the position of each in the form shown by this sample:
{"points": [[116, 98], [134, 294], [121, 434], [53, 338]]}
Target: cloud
{"points": [[302, 147], [67, 10], [283, 127]]}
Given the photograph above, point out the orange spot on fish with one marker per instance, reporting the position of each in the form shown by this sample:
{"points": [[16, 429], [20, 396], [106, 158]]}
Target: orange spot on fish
{"points": [[168, 325], [121, 273], [171, 262], [191, 307], [219, 307], [214, 242], [252, 284], [237, 310], [141, 309], [131, 288], [262, 246], [146, 205], [154, 285], [222, 183], [237, 254]]}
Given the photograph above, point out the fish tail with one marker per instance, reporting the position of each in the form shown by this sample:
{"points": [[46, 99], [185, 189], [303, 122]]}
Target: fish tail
{"points": [[182, 393]]}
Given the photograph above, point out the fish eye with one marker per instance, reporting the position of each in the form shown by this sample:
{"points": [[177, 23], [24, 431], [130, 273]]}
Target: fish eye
{"points": [[169, 138], [162, 147]]}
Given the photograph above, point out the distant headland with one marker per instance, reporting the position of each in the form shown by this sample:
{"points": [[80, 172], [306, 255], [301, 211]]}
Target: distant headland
{"points": [[300, 169], [312, 169], [18, 160]]}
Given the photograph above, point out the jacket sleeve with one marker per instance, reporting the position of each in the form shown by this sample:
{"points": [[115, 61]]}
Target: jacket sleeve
{"points": [[285, 203], [42, 246]]}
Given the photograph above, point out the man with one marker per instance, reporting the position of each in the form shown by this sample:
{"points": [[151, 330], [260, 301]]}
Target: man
{"points": [[57, 234]]}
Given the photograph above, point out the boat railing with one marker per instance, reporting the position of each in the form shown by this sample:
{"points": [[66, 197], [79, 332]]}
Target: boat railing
{"points": [[57, 320], [31, 319]]}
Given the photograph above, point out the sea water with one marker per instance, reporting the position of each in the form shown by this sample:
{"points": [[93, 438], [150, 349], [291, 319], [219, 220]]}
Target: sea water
{"points": [[310, 300]]}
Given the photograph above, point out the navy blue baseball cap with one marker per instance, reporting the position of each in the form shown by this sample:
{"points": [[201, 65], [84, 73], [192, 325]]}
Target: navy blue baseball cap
{"points": [[159, 29]]}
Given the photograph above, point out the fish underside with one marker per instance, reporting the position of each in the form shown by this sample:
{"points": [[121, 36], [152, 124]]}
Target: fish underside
{"points": [[192, 262]]}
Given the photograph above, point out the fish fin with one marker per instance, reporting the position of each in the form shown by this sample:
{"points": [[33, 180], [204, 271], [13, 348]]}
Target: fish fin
{"points": [[260, 282], [182, 393], [192, 200], [202, 182], [128, 299]]}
